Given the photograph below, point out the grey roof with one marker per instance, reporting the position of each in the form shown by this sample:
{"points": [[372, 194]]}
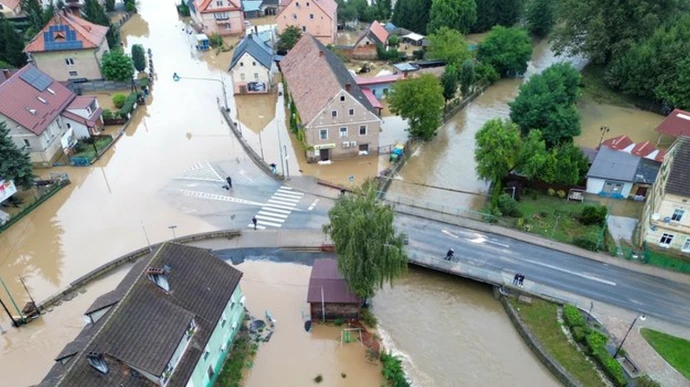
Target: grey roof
{"points": [[405, 67], [590, 153], [266, 3], [614, 165], [325, 279], [144, 328], [251, 5], [646, 171], [678, 181], [254, 46], [116, 295]]}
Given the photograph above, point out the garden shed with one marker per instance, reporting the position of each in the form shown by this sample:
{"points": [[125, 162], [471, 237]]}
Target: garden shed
{"points": [[328, 296]]}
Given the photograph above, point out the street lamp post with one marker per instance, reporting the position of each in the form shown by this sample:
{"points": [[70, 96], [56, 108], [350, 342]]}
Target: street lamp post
{"points": [[172, 228], [177, 78], [603, 130], [642, 317]]}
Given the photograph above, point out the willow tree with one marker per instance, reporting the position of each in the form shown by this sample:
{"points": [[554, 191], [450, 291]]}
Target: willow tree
{"points": [[370, 251]]}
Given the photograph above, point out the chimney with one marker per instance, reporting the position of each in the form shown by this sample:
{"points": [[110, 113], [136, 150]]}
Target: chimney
{"points": [[348, 86], [320, 53], [6, 73]]}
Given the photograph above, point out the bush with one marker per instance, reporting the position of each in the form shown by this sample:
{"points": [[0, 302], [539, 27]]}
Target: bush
{"points": [[560, 193], [486, 74], [572, 317], [418, 54], [611, 367], [579, 334], [216, 40], [183, 9], [595, 341], [109, 5], [508, 206], [130, 6], [593, 214], [128, 105], [110, 115], [119, 100], [318, 378], [368, 318], [585, 243], [392, 55], [393, 41], [392, 370], [646, 381], [551, 191], [138, 57]]}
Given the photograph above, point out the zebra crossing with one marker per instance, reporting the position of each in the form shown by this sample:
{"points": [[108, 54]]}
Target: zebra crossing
{"points": [[201, 172], [276, 210]]}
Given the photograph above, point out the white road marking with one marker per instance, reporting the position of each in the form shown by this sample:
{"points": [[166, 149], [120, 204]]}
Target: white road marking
{"points": [[286, 198], [258, 227], [273, 214], [281, 202], [286, 192], [449, 234], [269, 218], [313, 204], [201, 172], [245, 176], [589, 277], [277, 209], [206, 195], [480, 239], [277, 225]]}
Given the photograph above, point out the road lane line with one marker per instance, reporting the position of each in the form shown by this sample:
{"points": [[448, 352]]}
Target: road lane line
{"points": [[589, 277], [245, 176], [263, 222], [267, 213], [258, 227], [269, 218], [275, 210], [284, 187], [286, 197]]}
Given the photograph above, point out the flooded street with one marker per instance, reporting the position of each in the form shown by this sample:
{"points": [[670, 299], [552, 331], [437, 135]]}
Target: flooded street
{"points": [[456, 335]]}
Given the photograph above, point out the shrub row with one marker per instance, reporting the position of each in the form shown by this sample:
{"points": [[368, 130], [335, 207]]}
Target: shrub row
{"points": [[585, 243], [393, 370], [129, 104]]}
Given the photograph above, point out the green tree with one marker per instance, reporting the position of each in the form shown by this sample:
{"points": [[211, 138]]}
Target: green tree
{"points": [[420, 101], [454, 14], [466, 77], [95, 13], [346, 11], [449, 45], [657, 68], [110, 5], [449, 81], [393, 41], [602, 30], [565, 164], [547, 102], [11, 45], [138, 57], [370, 252], [497, 12], [15, 163], [384, 9], [500, 150], [116, 66], [289, 37], [34, 12], [507, 50], [412, 14], [541, 17]]}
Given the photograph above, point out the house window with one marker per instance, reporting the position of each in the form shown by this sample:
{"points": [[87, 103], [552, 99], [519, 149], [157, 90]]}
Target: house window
{"points": [[311, 16], [227, 27], [241, 64], [334, 114], [304, 28], [677, 215], [69, 61], [686, 245], [69, 126], [363, 130], [242, 77], [323, 134], [219, 3], [27, 143], [294, 16], [351, 112], [232, 306], [364, 147], [307, 3], [221, 15], [253, 63], [73, 73], [342, 98], [210, 372], [256, 76], [222, 323], [666, 240], [297, 3], [343, 132], [206, 353]]}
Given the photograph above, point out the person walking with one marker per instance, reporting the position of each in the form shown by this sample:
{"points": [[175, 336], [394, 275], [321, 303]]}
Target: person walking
{"points": [[254, 221], [516, 278], [449, 254], [229, 180], [521, 279]]}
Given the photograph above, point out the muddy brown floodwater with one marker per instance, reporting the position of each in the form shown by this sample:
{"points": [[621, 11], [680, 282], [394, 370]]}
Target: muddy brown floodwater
{"points": [[455, 335]]}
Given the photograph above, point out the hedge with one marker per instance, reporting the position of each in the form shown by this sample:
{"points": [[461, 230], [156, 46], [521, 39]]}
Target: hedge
{"points": [[595, 341], [585, 243], [611, 367], [129, 104], [572, 317]]}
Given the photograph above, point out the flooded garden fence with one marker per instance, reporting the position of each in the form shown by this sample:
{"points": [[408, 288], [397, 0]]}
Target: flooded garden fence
{"points": [[45, 192]]}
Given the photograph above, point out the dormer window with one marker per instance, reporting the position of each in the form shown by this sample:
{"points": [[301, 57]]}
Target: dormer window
{"points": [[31, 111], [59, 36], [191, 328], [97, 361], [159, 277], [42, 100]]}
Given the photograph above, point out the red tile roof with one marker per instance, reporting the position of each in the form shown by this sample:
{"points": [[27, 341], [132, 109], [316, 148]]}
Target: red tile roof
{"points": [[81, 102], [379, 31], [91, 35], [618, 143], [202, 6], [325, 276], [5, 74], [21, 103], [364, 81], [677, 124], [372, 98], [644, 149], [91, 122], [11, 4]]}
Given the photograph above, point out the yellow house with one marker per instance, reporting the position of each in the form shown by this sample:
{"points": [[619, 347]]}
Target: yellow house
{"points": [[69, 48], [666, 216]]}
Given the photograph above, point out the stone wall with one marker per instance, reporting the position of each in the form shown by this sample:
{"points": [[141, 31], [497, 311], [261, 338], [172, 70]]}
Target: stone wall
{"points": [[335, 311]]}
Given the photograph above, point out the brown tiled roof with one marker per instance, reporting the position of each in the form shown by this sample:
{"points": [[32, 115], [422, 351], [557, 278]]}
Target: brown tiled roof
{"points": [[202, 6], [379, 32], [5, 74], [314, 75], [20, 100], [678, 181], [89, 34], [676, 124], [81, 102], [143, 330], [325, 275], [618, 143]]}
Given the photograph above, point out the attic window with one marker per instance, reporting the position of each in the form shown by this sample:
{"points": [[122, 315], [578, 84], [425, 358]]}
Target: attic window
{"points": [[59, 36], [96, 361], [32, 111], [42, 100], [159, 277], [51, 91]]}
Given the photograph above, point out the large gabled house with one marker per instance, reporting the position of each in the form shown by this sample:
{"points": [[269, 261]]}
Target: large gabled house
{"points": [[40, 112], [318, 18], [170, 322], [252, 66], [222, 17], [337, 118], [69, 48]]}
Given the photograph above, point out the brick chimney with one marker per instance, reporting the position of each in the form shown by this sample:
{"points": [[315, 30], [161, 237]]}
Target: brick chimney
{"points": [[320, 53], [348, 86], [6, 73]]}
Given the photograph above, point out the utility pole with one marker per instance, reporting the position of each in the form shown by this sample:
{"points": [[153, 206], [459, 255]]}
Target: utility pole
{"points": [[172, 228], [11, 299], [27, 292], [147, 236], [323, 306], [14, 322]]}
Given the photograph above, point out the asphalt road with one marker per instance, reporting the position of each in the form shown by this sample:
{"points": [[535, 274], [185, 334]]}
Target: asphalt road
{"points": [[596, 280]]}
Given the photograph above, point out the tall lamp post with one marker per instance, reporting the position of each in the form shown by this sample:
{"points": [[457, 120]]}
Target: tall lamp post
{"points": [[603, 130], [177, 78], [642, 317], [172, 228]]}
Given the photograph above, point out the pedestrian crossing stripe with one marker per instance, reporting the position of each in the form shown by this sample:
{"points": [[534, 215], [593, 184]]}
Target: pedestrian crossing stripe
{"points": [[201, 172], [277, 209]]}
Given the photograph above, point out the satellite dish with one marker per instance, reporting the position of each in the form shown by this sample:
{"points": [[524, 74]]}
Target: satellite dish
{"points": [[656, 216]]}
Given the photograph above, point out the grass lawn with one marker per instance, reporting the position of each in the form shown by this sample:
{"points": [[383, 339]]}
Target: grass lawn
{"points": [[667, 261], [594, 85], [87, 151], [541, 319], [548, 212], [674, 350], [243, 350]]}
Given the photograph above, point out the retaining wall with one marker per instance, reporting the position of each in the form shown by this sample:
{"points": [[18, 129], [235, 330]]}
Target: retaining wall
{"points": [[556, 369], [128, 258]]}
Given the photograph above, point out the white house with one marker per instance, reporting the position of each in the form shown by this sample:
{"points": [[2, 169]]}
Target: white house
{"points": [[252, 66], [621, 175]]}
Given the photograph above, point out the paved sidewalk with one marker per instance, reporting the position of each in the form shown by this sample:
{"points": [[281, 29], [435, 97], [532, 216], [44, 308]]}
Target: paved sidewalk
{"points": [[278, 238], [309, 185]]}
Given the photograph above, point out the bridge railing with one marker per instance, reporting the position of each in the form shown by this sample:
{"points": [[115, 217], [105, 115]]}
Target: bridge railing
{"points": [[439, 207]]}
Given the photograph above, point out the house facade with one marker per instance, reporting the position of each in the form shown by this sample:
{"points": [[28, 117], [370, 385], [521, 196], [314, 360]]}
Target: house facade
{"points": [[10, 8], [69, 48], [222, 17], [365, 46], [621, 175], [318, 18], [336, 118], [252, 67], [170, 322], [665, 221]]}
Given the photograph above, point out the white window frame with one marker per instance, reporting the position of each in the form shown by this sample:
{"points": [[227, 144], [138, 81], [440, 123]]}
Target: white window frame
{"points": [[686, 245], [343, 133], [366, 130], [321, 134], [334, 114], [677, 215], [666, 237], [351, 112]]}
